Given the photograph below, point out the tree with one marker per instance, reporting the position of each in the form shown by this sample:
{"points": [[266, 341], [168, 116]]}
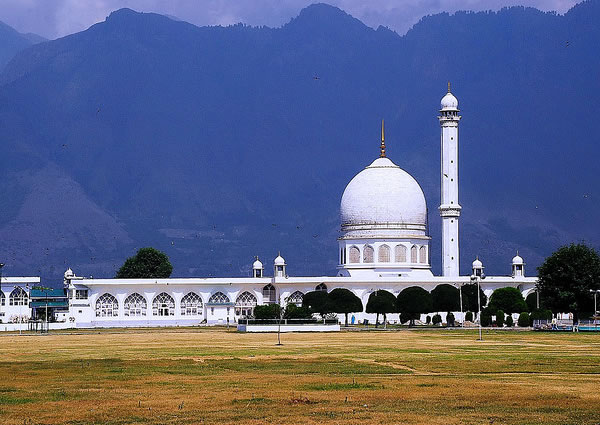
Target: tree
{"points": [[342, 300], [148, 263], [486, 318], [523, 319], [509, 321], [450, 319], [445, 298], [566, 278], [500, 318], [317, 302], [469, 316], [436, 319], [508, 300], [469, 295], [414, 301], [292, 311], [268, 311], [531, 301], [381, 302]]}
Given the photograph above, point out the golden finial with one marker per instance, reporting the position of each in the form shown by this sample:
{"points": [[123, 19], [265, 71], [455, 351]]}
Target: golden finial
{"points": [[448, 86], [382, 147]]}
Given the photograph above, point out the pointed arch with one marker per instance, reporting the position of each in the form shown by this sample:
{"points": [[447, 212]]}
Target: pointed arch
{"points": [[383, 254], [107, 306], [219, 298], [413, 254], [368, 254], [354, 254], [135, 305], [163, 305], [246, 299], [295, 298], [423, 254], [18, 297], [269, 293], [191, 305], [400, 254], [321, 287]]}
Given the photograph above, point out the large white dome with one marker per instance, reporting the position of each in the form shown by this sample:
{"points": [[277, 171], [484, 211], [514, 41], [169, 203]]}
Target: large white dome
{"points": [[384, 196]]}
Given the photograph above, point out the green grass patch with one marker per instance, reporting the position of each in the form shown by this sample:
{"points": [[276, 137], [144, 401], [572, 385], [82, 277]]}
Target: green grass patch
{"points": [[341, 386]]}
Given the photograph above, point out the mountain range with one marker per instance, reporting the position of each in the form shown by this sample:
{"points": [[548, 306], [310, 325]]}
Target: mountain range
{"points": [[216, 144]]}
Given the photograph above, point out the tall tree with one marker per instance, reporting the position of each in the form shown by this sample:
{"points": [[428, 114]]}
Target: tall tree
{"points": [[566, 278], [317, 302], [509, 300], [414, 301], [344, 301], [445, 297], [147, 263], [469, 295], [381, 302]]}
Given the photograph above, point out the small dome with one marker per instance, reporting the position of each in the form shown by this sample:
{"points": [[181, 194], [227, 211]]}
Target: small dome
{"points": [[279, 261], [449, 102], [69, 273], [477, 264], [257, 264], [517, 260], [383, 195]]}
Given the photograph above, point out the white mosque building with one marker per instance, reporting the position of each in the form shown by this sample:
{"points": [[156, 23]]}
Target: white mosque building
{"points": [[384, 245]]}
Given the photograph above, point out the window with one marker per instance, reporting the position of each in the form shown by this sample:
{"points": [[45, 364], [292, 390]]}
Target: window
{"points": [[107, 306], [269, 294], [163, 305], [218, 298], [354, 255], [321, 287], [413, 254], [400, 253], [2, 298], [191, 305], [18, 297], [81, 294], [135, 305], [423, 255], [245, 303], [368, 254], [296, 298], [384, 254]]}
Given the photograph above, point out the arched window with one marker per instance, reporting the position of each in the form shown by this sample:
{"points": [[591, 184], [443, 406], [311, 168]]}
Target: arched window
{"points": [[368, 252], [2, 298], [219, 298], [400, 254], [354, 254], [321, 287], [384, 254], [269, 294], [245, 303], [413, 254], [107, 306], [296, 298], [163, 305], [191, 305], [135, 305], [18, 297], [423, 254]]}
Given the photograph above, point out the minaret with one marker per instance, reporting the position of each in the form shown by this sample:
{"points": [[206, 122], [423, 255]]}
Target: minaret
{"points": [[449, 207]]}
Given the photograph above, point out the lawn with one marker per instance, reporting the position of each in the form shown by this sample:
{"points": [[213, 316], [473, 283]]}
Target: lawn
{"points": [[210, 376]]}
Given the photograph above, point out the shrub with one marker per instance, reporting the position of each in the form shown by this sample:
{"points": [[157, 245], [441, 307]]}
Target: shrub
{"points": [[486, 318], [428, 320], [409, 317], [509, 321], [523, 320], [449, 319], [436, 319], [269, 311], [499, 318], [292, 311], [469, 316], [539, 315]]}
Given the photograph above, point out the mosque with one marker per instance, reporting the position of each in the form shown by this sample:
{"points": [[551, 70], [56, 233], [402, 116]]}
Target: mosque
{"points": [[384, 244]]}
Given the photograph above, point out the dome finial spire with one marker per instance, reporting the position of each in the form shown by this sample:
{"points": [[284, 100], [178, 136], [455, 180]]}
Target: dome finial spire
{"points": [[382, 147], [448, 86]]}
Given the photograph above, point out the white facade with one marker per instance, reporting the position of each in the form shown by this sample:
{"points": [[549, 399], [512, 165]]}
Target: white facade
{"points": [[384, 245], [14, 298]]}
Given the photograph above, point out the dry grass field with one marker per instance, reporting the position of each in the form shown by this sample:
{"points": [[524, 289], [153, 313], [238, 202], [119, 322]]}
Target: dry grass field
{"points": [[210, 376]]}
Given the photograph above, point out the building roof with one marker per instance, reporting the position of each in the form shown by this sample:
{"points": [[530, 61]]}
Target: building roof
{"points": [[47, 293]]}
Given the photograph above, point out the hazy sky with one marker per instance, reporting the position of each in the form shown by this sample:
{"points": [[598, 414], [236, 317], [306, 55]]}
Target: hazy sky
{"points": [[56, 18]]}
